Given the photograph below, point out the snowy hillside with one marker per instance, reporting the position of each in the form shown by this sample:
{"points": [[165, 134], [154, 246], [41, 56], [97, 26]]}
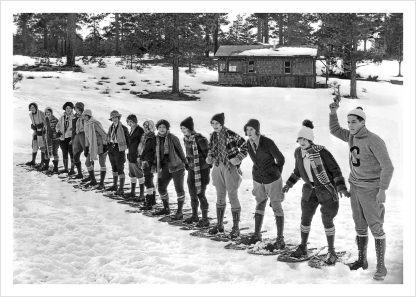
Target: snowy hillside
{"points": [[67, 237]]}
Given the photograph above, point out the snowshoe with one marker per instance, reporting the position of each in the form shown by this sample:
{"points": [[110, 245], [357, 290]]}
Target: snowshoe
{"points": [[320, 261], [289, 255]]}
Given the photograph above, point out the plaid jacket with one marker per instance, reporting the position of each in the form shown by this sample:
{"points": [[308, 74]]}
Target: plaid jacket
{"points": [[236, 145]]}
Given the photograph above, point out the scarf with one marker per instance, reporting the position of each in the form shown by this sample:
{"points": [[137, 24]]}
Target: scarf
{"points": [[65, 126], [79, 126], [318, 167], [39, 118], [165, 150], [119, 135], [50, 124], [91, 127], [143, 140], [197, 168]]}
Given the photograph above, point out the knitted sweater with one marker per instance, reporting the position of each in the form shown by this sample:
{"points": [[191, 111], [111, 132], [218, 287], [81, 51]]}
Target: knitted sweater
{"points": [[370, 163]]}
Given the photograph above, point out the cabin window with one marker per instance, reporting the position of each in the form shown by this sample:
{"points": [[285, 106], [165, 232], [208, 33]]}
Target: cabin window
{"points": [[222, 67], [251, 66], [232, 66], [288, 67]]}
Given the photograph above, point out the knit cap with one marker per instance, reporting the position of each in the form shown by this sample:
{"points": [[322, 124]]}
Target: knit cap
{"points": [[255, 124], [188, 123], [306, 131], [357, 112], [70, 104], [80, 106], [219, 117]]}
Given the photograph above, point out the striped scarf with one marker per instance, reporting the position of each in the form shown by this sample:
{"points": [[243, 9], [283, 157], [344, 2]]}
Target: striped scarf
{"points": [[165, 150], [197, 167], [318, 167]]}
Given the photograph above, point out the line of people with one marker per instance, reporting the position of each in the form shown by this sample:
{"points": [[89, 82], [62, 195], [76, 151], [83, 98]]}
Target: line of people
{"points": [[153, 149]]}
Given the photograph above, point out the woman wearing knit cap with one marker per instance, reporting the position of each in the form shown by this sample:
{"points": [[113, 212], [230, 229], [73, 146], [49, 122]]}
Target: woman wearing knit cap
{"points": [[135, 169], [95, 148], [196, 148], [268, 164], [323, 181], [118, 141], [226, 151], [37, 118], [64, 131], [170, 163], [52, 139], [78, 137], [370, 176], [146, 152]]}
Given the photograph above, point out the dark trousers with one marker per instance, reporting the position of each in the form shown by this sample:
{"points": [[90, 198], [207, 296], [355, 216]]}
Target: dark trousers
{"points": [[148, 178], [329, 210], [198, 198], [117, 159], [66, 148], [164, 180]]}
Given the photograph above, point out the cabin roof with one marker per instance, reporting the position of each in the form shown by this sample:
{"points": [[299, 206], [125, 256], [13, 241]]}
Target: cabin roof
{"points": [[265, 51]]}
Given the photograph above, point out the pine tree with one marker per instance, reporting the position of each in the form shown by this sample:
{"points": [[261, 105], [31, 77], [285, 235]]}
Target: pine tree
{"points": [[71, 36]]}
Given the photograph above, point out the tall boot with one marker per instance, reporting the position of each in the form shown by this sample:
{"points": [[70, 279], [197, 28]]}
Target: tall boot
{"points": [[45, 165], [141, 194], [220, 226], [72, 171], [79, 170], [93, 181], [65, 170], [258, 222], [132, 194], [179, 213], [331, 257], [194, 218], [114, 186], [148, 203], [86, 179], [380, 252], [302, 249], [120, 190], [203, 222], [362, 242], [33, 162], [165, 210], [55, 166], [280, 224], [42, 161], [235, 230], [102, 178]]}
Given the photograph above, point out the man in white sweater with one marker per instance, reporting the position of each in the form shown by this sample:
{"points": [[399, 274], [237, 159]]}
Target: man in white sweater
{"points": [[371, 173]]}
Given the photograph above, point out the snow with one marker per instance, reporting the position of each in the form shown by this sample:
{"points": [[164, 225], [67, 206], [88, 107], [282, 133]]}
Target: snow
{"points": [[283, 51], [67, 237]]}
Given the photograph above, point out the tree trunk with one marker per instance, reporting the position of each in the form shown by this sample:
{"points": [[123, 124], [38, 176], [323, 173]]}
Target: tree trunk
{"points": [[45, 37], [215, 34], [207, 41], [280, 23], [288, 30], [71, 35], [259, 28], [265, 28], [190, 65], [117, 51], [365, 44], [400, 69], [175, 81], [353, 65]]}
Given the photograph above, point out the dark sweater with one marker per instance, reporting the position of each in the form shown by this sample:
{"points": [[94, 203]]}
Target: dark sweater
{"points": [[268, 161], [149, 150], [133, 144]]}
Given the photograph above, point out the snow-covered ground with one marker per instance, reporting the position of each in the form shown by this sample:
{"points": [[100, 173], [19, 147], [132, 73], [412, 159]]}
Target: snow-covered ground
{"points": [[67, 237]]}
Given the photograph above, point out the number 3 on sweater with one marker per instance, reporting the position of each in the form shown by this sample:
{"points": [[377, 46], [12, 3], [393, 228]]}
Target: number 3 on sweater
{"points": [[355, 152]]}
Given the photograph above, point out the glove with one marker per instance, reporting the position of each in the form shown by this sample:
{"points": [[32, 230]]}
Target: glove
{"points": [[105, 148], [39, 126], [208, 160], [187, 166], [59, 134], [235, 161], [345, 193], [285, 189], [145, 164], [86, 151], [33, 127], [381, 196]]}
